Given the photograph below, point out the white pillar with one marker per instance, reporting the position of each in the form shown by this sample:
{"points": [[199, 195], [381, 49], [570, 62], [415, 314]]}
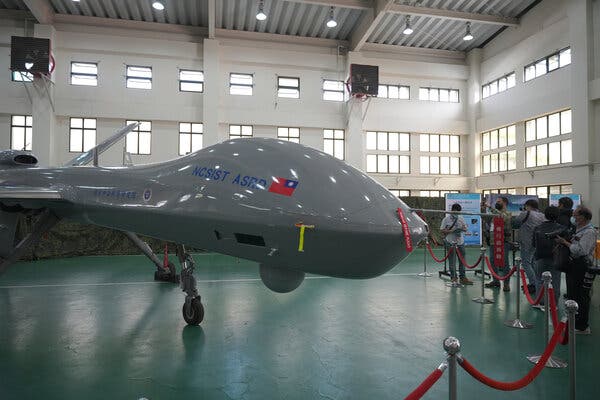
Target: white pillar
{"points": [[210, 104], [472, 142], [42, 100]]}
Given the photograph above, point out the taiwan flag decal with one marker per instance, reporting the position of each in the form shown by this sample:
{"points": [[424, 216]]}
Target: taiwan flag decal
{"points": [[283, 186]]}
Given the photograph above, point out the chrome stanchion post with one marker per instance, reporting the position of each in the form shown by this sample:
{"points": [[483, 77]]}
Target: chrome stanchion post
{"points": [[553, 362], [482, 299], [517, 323], [452, 348], [572, 308], [425, 274]]}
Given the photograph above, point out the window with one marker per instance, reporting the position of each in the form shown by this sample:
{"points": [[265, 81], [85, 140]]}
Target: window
{"points": [[497, 139], [388, 164], [439, 143], [241, 84], [547, 64], [548, 125], [138, 141], [440, 165], [498, 85], [392, 141], [240, 131], [548, 154], [334, 142], [400, 192], [190, 137], [82, 134], [499, 191], [498, 162], [543, 191], [85, 74], [21, 128], [437, 94], [333, 90], [139, 77], [18, 76], [394, 92], [191, 81], [435, 193], [288, 87], [289, 134]]}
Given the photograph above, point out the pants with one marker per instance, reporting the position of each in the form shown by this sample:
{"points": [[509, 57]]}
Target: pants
{"points": [[502, 271], [547, 264], [529, 265], [452, 261], [579, 284]]}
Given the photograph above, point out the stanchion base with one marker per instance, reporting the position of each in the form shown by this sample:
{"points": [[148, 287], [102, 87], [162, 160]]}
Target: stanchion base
{"points": [[425, 274], [552, 362], [483, 300], [517, 323], [454, 284]]}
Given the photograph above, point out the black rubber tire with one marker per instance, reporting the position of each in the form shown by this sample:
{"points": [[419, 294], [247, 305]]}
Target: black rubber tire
{"points": [[194, 314]]}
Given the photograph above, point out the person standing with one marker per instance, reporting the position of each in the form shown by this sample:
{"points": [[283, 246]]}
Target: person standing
{"points": [[454, 227], [501, 209], [565, 208], [526, 222], [543, 245], [579, 278]]}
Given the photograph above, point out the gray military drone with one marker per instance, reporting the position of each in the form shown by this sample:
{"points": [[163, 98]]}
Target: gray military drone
{"points": [[290, 208]]}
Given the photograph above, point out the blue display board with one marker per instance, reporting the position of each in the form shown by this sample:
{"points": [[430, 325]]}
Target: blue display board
{"points": [[553, 200], [516, 202], [470, 202]]}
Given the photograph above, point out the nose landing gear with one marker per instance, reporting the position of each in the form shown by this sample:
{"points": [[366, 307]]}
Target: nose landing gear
{"points": [[193, 310]]}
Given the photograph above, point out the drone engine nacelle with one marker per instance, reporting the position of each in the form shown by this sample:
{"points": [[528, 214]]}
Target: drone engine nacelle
{"points": [[17, 159], [280, 280]]}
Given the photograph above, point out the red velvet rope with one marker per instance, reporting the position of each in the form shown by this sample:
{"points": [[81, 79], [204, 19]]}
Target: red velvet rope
{"points": [[434, 257], [553, 312], [527, 379], [425, 385], [462, 260], [495, 275], [527, 294]]}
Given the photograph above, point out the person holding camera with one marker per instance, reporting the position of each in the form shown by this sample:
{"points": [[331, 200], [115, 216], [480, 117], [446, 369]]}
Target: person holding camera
{"points": [[526, 222], [579, 276], [543, 244], [454, 227]]}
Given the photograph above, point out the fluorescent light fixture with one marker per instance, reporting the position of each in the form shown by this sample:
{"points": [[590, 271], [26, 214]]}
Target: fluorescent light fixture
{"points": [[261, 16], [407, 30], [158, 5], [331, 22], [468, 35]]}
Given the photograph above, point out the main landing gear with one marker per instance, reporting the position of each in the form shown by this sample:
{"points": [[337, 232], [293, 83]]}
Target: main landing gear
{"points": [[193, 310]]}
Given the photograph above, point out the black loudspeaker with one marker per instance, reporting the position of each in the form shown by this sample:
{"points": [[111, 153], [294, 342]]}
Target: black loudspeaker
{"points": [[29, 54], [364, 79]]}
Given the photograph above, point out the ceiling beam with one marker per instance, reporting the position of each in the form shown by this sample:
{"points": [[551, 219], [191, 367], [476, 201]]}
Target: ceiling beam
{"points": [[416, 51], [455, 15], [274, 37], [356, 4], [15, 14], [368, 23], [41, 10]]}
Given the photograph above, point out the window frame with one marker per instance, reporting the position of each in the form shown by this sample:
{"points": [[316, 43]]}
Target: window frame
{"points": [[280, 87], [430, 89], [387, 91], [342, 91], [27, 76], [241, 85], [241, 135], [183, 81], [26, 118], [138, 78], [546, 59], [191, 135], [287, 137], [83, 74], [137, 130], [336, 142], [83, 130], [488, 85]]}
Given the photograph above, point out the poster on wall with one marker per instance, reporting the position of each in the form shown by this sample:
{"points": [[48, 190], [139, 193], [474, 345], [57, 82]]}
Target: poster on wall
{"points": [[470, 202], [553, 199]]}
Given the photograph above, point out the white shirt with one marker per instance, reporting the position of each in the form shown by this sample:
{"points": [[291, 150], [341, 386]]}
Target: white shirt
{"points": [[457, 230]]}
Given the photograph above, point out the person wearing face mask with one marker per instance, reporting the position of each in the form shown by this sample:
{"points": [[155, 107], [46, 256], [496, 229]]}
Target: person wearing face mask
{"points": [[579, 276], [526, 222], [565, 217], [501, 209], [454, 227]]}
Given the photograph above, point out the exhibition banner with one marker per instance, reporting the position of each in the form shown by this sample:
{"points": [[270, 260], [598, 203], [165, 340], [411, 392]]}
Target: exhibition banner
{"points": [[470, 202], [553, 199], [498, 236]]}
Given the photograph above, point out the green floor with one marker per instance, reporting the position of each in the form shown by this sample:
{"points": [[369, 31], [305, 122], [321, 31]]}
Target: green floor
{"points": [[100, 328]]}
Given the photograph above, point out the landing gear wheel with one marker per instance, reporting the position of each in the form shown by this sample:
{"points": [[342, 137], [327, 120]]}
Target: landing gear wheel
{"points": [[193, 312]]}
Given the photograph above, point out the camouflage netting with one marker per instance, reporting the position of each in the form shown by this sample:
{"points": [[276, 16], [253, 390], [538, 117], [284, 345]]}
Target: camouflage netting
{"points": [[69, 239]]}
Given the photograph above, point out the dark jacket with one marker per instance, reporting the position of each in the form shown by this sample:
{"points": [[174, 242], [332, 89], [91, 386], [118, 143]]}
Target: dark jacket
{"points": [[564, 218], [543, 238]]}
